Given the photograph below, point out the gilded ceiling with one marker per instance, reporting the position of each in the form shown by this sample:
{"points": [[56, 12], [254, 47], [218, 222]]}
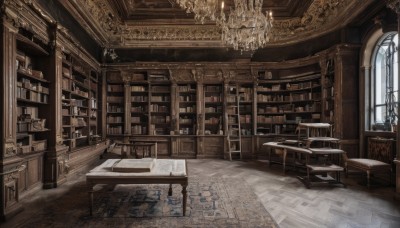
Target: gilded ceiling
{"points": [[161, 23]]}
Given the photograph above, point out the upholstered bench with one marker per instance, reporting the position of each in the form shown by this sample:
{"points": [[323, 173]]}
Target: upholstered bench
{"points": [[369, 166]]}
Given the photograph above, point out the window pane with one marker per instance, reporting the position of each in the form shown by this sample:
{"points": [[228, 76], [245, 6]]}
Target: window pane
{"points": [[380, 114], [385, 83]]}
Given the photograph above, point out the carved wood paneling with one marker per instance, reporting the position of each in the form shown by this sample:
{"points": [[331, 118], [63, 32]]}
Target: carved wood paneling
{"points": [[8, 89]]}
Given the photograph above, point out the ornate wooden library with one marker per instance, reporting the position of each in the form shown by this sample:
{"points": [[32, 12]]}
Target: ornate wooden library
{"points": [[294, 82]]}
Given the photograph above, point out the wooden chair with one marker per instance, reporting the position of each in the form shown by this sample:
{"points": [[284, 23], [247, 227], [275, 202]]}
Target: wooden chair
{"points": [[379, 159]]}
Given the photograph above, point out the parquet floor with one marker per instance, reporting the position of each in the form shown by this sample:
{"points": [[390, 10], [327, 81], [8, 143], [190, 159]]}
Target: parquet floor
{"points": [[293, 205], [285, 197]]}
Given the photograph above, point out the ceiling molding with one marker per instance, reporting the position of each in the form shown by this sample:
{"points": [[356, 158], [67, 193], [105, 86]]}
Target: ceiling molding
{"points": [[106, 26]]}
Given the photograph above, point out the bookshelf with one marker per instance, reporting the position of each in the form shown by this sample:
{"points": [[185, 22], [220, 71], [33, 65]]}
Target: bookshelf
{"points": [[94, 108], [79, 103], [187, 109], [139, 109], [115, 109], [33, 94], [213, 109], [160, 104], [328, 95], [245, 93], [283, 103]]}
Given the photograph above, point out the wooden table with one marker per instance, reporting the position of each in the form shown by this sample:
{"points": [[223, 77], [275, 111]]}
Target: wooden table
{"points": [[165, 171], [311, 168], [285, 149]]}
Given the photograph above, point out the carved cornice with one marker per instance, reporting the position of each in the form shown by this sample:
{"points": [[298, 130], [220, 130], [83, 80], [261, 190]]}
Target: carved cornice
{"points": [[28, 15], [99, 18], [394, 5]]}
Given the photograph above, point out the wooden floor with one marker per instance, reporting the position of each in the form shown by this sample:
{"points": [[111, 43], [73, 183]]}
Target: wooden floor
{"points": [[293, 205], [286, 198]]}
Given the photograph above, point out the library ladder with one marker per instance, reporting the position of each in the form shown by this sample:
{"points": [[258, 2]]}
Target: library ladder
{"points": [[234, 132]]}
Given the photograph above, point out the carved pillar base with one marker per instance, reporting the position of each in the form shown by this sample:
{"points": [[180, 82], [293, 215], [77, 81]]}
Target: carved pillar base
{"points": [[10, 190], [397, 195], [56, 167]]}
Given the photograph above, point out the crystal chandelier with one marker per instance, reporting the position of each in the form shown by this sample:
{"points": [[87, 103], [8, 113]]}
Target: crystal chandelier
{"points": [[202, 9], [246, 27]]}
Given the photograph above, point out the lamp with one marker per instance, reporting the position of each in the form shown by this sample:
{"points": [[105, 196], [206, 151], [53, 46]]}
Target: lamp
{"points": [[246, 28]]}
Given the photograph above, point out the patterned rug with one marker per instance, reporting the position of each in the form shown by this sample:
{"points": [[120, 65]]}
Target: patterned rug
{"points": [[212, 202]]}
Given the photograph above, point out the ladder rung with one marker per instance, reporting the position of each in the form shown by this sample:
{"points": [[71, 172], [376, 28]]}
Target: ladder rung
{"points": [[234, 151], [234, 139]]}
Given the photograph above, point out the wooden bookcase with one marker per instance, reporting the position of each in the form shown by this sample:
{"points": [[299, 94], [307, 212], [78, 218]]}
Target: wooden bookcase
{"points": [[283, 103], [187, 109], [33, 93], [79, 103], [160, 103], [328, 94], [213, 109], [246, 103], [139, 108], [94, 95], [115, 109]]}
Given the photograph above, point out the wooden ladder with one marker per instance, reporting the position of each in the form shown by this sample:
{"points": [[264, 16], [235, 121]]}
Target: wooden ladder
{"points": [[234, 130]]}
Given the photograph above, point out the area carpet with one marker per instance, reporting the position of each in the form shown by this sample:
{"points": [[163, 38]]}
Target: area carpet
{"points": [[212, 202]]}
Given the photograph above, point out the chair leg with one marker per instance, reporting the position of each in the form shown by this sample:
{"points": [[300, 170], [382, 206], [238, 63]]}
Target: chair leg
{"points": [[368, 179]]}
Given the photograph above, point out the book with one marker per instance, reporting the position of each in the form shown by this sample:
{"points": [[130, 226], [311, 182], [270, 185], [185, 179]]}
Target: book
{"points": [[133, 165]]}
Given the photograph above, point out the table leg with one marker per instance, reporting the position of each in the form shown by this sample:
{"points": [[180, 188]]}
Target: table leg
{"points": [[170, 190], [184, 198], [284, 161], [90, 192]]}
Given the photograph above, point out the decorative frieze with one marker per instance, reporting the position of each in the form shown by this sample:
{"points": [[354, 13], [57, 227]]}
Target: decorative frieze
{"points": [[321, 16]]}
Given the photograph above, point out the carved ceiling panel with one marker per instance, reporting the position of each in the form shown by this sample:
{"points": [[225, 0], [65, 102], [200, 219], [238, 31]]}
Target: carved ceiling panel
{"points": [[161, 23], [155, 10]]}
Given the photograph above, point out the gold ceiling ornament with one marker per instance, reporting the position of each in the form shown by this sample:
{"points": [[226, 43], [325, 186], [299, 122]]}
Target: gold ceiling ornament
{"points": [[322, 15]]}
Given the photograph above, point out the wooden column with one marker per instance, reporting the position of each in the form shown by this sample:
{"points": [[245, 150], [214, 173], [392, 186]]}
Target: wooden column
{"points": [[395, 6], [103, 100], [10, 164], [56, 159], [127, 109]]}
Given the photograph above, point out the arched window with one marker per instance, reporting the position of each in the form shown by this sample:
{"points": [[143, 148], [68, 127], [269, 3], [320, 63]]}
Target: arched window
{"points": [[384, 86]]}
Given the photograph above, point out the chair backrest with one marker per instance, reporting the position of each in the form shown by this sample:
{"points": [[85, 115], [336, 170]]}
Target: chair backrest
{"points": [[381, 149]]}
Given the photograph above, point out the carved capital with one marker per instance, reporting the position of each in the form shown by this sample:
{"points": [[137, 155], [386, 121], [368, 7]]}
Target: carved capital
{"points": [[182, 75], [198, 74], [126, 77], [394, 5], [10, 149]]}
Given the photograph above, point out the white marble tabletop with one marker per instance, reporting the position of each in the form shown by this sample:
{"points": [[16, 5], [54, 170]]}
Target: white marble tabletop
{"points": [[162, 168]]}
